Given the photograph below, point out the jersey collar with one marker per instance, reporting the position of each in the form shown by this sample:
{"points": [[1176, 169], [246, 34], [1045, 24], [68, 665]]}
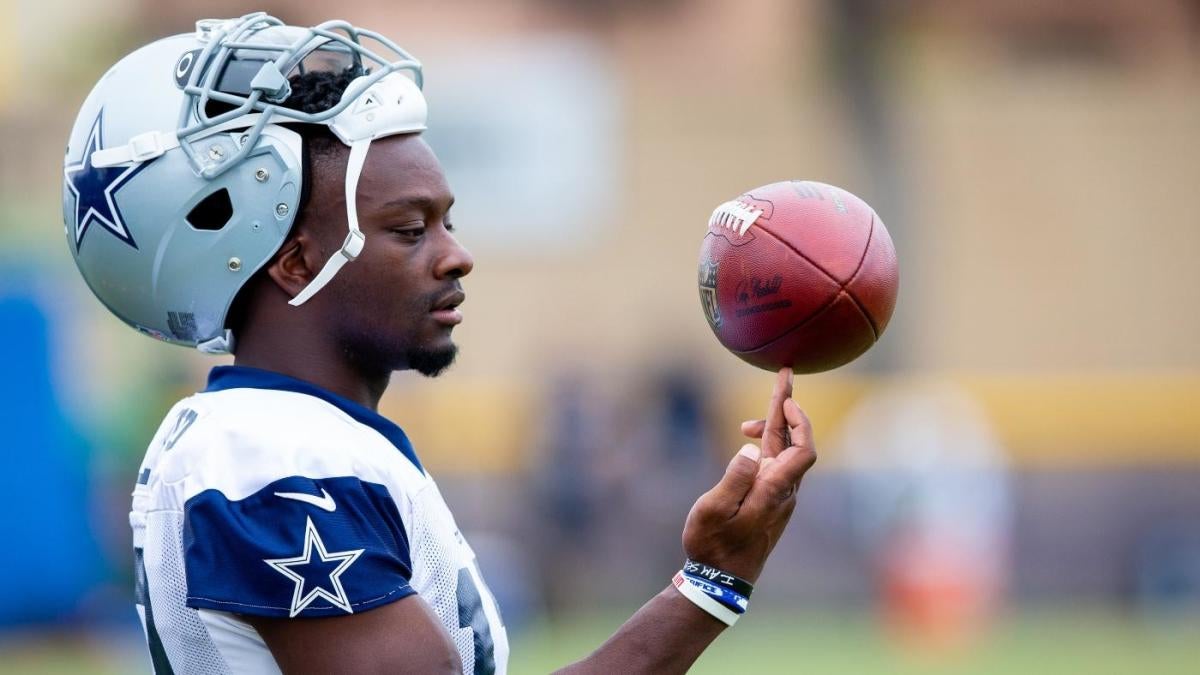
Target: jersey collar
{"points": [[242, 377]]}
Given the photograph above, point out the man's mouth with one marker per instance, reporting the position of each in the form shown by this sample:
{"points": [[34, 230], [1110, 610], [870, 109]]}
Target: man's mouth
{"points": [[446, 309]]}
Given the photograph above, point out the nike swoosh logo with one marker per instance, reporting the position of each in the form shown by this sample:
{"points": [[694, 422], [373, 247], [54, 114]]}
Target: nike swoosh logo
{"points": [[324, 502]]}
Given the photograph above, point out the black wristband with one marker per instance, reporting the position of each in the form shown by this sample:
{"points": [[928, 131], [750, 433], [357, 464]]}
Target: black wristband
{"points": [[720, 577]]}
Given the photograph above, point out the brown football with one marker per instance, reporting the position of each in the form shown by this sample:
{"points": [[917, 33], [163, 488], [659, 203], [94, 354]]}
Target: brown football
{"points": [[799, 274]]}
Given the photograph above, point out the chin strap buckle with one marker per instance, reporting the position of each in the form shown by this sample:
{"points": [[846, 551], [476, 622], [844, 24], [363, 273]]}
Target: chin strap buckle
{"points": [[140, 148], [353, 246]]}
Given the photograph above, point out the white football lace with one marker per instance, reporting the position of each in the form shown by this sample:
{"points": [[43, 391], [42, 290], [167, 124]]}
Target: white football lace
{"points": [[734, 215]]}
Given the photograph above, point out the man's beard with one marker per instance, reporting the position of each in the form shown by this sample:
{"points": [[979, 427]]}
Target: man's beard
{"points": [[432, 361]]}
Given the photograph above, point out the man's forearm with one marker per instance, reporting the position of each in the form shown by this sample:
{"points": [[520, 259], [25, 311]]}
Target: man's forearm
{"points": [[665, 636]]}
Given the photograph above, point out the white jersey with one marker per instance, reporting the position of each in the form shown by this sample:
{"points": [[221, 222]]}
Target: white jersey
{"points": [[266, 495]]}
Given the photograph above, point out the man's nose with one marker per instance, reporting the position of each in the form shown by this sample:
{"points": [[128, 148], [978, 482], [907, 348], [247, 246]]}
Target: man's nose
{"points": [[455, 262]]}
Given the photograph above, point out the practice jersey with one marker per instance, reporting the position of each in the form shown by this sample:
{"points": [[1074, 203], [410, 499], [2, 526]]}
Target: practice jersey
{"points": [[265, 495]]}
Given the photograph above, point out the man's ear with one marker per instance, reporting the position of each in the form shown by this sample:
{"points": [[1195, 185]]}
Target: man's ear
{"points": [[295, 265]]}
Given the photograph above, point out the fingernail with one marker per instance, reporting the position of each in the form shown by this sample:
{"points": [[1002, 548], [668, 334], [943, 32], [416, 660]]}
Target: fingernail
{"points": [[750, 451]]}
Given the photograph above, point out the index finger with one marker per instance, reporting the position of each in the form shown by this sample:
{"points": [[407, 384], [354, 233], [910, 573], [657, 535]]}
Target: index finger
{"points": [[776, 435]]}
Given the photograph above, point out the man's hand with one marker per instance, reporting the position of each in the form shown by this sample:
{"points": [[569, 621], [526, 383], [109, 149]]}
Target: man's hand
{"points": [[735, 525]]}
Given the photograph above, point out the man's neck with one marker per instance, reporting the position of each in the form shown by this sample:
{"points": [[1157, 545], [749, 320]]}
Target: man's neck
{"points": [[319, 366], [281, 340]]}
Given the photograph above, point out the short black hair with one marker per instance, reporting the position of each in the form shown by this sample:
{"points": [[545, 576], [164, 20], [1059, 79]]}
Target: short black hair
{"points": [[318, 91], [314, 92]]}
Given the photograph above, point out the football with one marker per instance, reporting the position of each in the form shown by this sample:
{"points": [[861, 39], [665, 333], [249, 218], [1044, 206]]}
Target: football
{"points": [[799, 274]]}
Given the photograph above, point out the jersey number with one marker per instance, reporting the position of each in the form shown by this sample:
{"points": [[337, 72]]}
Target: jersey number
{"points": [[182, 424], [471, 615]]}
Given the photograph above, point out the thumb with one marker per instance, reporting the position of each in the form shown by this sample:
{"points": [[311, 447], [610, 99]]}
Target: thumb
{"points": [[739, 475]]}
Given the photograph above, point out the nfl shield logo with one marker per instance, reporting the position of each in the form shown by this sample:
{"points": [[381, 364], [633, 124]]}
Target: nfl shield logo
{"points": [[708, 292]]}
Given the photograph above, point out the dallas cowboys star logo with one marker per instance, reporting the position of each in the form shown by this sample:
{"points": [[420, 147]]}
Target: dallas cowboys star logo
{"points": [[319, 578], [94, 188]]}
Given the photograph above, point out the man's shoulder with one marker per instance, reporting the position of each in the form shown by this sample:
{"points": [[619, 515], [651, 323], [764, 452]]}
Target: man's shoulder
{"points": [[274, 411], [236, 441], [249, 423]]}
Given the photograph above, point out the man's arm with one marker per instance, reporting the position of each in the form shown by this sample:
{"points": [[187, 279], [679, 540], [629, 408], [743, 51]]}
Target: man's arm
{"points": [[401, 637], [733, 527], [666, 635]]}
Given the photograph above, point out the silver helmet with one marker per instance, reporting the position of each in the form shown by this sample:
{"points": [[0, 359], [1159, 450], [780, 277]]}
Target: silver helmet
{"points": [[181, 179]]}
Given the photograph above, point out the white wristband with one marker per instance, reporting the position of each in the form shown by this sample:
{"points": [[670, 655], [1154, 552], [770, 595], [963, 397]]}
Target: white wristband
{"points": [[703, 600]]}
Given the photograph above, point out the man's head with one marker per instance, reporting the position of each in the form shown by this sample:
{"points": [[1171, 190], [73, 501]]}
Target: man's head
{"points": [[392, 308], [183, 182]]}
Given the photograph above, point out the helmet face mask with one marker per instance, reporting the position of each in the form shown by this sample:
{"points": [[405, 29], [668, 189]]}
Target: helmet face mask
{"points": [[180, 181]]}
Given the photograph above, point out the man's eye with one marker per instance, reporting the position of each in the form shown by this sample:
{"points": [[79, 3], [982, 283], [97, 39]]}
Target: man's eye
{"points": [[409, 232]]}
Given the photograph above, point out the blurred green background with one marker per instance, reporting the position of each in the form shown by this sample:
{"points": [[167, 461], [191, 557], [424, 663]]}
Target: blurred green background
{"points": [[1009, 481], [1059, 641]]}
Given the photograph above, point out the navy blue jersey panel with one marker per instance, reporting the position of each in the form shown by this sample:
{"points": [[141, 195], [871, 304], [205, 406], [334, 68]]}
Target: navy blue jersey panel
{"points": [[297, 547]]}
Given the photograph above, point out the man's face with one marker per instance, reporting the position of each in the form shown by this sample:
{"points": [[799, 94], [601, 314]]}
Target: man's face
{"points": [[395, 306]]}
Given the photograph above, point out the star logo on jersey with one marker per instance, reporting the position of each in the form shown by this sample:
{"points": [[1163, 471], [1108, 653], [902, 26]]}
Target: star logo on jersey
{"points": [[95, 189], [316, 576]]}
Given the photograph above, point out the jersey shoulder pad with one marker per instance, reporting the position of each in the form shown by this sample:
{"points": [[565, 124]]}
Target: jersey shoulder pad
{"points": [[287, 506], [239, 440]]}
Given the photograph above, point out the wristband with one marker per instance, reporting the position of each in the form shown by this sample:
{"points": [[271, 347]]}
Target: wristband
{"points": [[717, 576], [726, 596], [703, 600]]}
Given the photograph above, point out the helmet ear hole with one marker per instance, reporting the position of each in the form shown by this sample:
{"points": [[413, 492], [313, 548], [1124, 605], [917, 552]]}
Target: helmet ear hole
{"points": [[213, 212]]}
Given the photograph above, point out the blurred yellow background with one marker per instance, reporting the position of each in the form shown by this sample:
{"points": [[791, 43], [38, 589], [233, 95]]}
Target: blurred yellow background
{"points": [[1034, 162]]}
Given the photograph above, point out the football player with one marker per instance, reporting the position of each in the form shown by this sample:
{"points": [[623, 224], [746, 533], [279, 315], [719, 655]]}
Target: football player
{"points": [[263, 190]]}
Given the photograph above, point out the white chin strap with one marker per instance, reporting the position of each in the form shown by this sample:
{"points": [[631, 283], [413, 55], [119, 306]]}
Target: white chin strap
{"points": [[392, 105], [355, 239]]}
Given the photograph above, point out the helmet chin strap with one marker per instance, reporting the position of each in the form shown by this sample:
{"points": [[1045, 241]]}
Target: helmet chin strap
{"points": [[355, 239], [391, 105]]}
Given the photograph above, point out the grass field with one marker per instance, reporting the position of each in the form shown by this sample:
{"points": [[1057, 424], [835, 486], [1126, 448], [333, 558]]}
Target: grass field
{"points": [[1043, 642], [1051, 642]]}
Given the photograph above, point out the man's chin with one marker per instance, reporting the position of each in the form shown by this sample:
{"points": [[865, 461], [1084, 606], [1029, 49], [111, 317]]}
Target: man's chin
{"points": [[432, 361]]}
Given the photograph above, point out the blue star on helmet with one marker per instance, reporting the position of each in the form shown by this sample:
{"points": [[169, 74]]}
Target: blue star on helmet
{"points": [[95, 189], [318, 577]]}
